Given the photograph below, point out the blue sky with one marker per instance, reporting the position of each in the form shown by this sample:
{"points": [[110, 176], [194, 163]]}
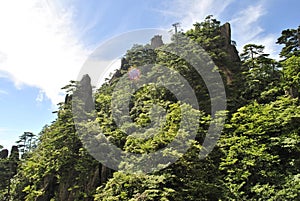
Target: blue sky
{"points": [[44, 43]]}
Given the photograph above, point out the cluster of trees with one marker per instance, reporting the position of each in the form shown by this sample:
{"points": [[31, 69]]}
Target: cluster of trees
{"points": [[256, 157], [8, 168]]}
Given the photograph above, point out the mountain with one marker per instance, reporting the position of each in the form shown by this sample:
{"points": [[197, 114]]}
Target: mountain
{"points": [[255, 157]]}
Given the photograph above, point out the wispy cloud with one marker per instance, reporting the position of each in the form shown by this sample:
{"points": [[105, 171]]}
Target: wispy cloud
{"points": [[189, 12], [246, 26], [245, 22], [39, 46], [269, 41], [40, 96]]}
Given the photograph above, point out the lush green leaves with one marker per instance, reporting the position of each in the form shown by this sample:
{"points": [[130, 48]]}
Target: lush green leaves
{"points": [[290, 38], [261, 147]]}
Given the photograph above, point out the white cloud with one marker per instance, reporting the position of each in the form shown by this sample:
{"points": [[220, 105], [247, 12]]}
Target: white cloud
{"points": [[39, 45], [246, 29], [189, 12], [246, 24], [40, 96]]}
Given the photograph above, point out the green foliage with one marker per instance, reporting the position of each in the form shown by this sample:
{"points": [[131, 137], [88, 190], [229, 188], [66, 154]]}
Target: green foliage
{"points": [[253, 55], [5, 176], [208, 35], [136, 187], [59, 168], [261, 75], [290, 38], [8, 168], [262, 148], [140, 55], [26, 143], [291, 73]]}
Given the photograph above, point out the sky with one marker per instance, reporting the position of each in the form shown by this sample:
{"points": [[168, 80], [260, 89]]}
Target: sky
{"points": [[44, 43]]}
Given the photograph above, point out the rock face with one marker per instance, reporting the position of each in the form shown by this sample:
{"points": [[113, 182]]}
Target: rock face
{"points": [[156, 41], [84, 92], [3, 154], [228, 46], [14, 156], [233, 55], [226, 32], [63, 189], [124, 64], [14, 153]]}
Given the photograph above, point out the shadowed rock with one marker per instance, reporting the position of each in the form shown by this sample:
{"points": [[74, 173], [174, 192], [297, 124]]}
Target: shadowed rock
{"points": [[3, 154]]}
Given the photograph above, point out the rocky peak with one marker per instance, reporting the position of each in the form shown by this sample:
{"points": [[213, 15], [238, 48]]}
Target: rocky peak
{"points": [[156, 41], [229, 44], [226, 32], [3, 154]]}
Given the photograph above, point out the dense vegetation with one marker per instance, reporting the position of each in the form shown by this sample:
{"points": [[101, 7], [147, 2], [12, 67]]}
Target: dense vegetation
{"points": [[256, 157]]}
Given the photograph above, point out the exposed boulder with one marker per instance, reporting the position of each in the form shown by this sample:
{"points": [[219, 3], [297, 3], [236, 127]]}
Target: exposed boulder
{"points": [[14, 153], [156, 41], [3, 153]]}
